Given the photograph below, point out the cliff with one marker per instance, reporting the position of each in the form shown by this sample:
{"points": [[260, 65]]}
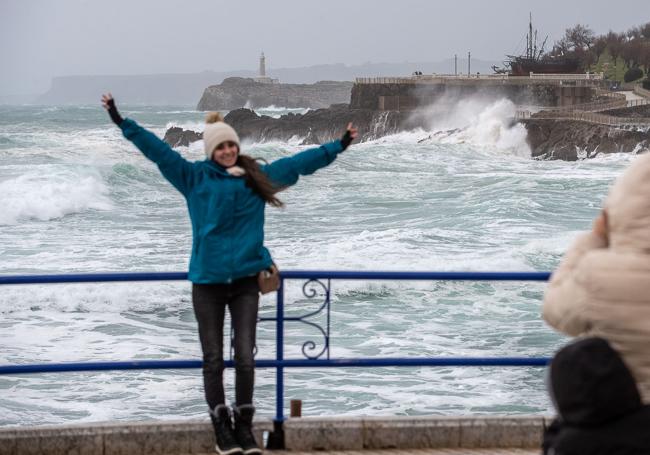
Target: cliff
{"points": [[236, 92]]}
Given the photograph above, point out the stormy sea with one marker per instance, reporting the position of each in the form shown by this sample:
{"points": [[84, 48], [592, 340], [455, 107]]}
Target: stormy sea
{"points": [[464, 195]]}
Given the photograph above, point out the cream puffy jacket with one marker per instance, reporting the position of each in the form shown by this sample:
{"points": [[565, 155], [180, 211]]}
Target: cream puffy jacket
{"points": [[602, 286]]}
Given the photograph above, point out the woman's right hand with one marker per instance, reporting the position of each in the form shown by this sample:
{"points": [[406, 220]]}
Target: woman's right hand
{"points": [[109, 104]]}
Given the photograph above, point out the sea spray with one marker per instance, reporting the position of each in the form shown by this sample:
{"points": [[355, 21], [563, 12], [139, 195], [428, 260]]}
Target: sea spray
{"points": [[51, 192], [483, 123]]}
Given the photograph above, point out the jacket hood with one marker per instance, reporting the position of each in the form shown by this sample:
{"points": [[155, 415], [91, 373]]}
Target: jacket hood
{"points": [[628, 208], [590, 384]]}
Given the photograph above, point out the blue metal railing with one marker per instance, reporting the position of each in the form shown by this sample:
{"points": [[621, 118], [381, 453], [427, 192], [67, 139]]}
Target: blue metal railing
{"points": [[280, 363]]}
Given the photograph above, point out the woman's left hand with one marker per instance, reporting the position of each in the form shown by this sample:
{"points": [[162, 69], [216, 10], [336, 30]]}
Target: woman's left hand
{"points": [[108, 103], [351, 133]]}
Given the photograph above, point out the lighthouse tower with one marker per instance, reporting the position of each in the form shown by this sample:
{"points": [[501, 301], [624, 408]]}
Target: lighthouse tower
{"points": [[262, 66], [262, 77]]}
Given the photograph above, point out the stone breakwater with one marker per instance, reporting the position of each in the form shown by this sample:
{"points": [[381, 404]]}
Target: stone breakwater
{"points": [[236, 92]]}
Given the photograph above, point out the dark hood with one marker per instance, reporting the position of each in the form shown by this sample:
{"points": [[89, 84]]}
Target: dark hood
{"points": [[591, 385]]}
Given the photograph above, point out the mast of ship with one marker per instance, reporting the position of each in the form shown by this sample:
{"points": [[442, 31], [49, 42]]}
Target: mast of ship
{"points": [[529, 50]]}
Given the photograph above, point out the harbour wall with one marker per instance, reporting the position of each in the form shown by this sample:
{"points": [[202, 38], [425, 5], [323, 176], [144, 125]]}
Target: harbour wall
{"points": [[410, 95]]}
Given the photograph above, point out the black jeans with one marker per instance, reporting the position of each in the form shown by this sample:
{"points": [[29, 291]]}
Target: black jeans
{"points": [[210, 301]]}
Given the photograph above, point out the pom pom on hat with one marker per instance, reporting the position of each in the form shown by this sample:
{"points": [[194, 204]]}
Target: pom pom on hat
{"points": [[217, 131], [213, 117]]}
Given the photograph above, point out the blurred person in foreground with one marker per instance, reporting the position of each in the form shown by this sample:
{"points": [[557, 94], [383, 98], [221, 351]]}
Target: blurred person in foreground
{"points": [[226, 196], [602, 286], [598, 404]]}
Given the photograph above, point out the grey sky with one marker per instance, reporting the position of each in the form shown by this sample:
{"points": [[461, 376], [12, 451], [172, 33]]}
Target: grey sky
{"points": [[40, 39]]}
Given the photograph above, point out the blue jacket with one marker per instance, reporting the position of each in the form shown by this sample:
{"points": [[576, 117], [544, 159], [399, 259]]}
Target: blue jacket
{"points": [[227, 217]]}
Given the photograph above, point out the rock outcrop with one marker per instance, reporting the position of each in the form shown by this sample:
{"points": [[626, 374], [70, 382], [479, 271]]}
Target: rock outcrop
{"points": [[314, 127], [572, 140], [178, 137], [236, 92], [318, 126]]}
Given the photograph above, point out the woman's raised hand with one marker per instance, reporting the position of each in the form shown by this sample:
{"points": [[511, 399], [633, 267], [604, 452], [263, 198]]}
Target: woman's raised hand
{"points": [[349, 135], [600, 226], [109, 104]]}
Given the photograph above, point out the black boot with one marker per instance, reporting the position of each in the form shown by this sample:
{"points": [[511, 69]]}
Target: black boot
{"points": [[226, 443], [244, 429]]}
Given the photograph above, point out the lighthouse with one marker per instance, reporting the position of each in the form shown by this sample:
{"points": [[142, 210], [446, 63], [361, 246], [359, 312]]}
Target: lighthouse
{"points": [[262, 66], [262, 77]]}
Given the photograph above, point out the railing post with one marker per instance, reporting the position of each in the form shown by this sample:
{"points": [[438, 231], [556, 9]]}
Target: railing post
{"points": [[276, 437]]}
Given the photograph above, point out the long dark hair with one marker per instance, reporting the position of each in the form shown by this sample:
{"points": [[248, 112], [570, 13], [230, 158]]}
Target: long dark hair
{"points": [[258, 181]]}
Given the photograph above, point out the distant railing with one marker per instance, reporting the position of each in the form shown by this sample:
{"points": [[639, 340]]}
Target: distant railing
{"points": [[568, 77], [589, 117], [587, 112], [554, 79], [592, 106], [317, 286], [638, 102]]}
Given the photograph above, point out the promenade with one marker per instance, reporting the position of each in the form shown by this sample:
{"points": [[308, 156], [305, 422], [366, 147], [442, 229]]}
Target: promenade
{"points": [[340, 435], [493, 451]]}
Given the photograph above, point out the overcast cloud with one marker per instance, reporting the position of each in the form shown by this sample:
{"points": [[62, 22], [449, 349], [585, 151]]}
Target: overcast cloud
{"points": [[45, 38]]}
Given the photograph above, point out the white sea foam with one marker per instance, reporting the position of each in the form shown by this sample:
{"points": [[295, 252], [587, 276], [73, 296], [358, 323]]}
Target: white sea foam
{"points": [[196, 126], [484, 124], [50, 193], [276, 111]]}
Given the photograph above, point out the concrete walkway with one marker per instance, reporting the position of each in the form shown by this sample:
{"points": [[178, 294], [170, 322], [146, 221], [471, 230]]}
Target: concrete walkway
{"points": [[421, 435], [411, 452], [631, 96]]}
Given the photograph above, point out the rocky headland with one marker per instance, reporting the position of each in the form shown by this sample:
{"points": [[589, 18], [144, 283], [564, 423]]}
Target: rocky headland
{"points": [[237, 92]]}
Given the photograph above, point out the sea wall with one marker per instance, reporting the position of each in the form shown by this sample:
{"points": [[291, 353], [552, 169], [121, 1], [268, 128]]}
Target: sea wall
{"points": [[236, 92], [409, 96]]}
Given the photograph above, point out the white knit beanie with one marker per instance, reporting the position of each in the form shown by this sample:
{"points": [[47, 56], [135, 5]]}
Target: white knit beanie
{"points": [[217, 131]]}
